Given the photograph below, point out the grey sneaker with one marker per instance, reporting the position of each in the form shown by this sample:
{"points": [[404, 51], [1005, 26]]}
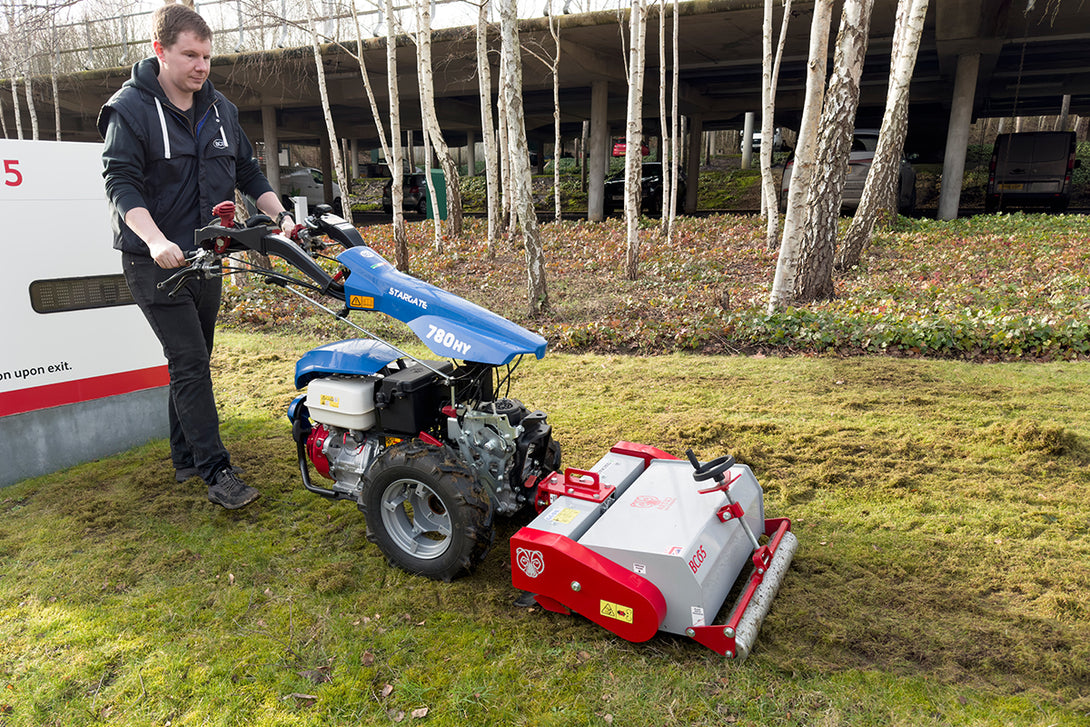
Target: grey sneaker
{"points": [[187, 473], [230, 492]]}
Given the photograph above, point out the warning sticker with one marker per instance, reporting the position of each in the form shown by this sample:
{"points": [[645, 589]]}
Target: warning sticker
{"points": [[614, 610], [361, 301], [565, 515], [698, 615]]}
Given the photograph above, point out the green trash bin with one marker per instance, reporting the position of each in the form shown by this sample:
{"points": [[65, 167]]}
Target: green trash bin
{"points": [[440, 183]]}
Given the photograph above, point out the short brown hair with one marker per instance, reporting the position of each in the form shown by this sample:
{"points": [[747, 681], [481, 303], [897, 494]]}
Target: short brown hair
{"points": [[171, 19]]}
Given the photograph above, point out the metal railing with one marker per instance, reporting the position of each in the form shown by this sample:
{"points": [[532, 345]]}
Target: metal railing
{"points": [[95, 34]]}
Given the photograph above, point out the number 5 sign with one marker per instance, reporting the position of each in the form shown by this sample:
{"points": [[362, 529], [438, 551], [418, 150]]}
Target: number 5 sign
{"points": [[12, 176]]}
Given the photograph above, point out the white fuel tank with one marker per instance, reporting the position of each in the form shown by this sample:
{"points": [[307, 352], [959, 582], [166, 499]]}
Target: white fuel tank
{"points": [[341, 401]]}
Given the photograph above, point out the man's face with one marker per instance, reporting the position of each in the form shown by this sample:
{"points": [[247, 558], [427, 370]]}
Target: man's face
{"points": [[184, 66]]}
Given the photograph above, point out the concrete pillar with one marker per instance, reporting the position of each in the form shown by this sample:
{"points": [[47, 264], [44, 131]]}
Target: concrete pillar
{"points": [[272, 146], [598, 150], [692, 169], [957, 135], [747, 140], [471, 154], [354, 153]]}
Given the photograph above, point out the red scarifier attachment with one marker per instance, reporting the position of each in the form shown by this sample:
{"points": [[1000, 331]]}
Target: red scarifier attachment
{"points": [[632, 546]]}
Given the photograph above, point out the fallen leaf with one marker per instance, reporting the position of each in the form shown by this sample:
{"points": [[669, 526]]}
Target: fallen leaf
{"points": [[230, 579], [396, 715], [420, 713], [387, 691], [368, 659]]}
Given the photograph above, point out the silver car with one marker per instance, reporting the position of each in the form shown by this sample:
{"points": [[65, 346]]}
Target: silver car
{"points": [[864, 142]]}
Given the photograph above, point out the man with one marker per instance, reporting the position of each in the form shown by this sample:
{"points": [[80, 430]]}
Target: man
{"points": [[174, 149]]}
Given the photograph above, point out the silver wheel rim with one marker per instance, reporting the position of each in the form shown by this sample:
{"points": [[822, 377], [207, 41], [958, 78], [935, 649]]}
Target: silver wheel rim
{"points": [[416, 519]]}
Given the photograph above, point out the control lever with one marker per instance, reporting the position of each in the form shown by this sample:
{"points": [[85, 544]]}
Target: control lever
{"points": [[203, 264]]}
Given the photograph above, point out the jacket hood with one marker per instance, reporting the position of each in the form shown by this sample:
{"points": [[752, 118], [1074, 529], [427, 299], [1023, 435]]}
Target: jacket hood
{"points": [[145, 80], [145, 76]]}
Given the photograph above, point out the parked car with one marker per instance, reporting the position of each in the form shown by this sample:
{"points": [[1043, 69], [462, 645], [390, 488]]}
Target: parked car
{"points": [[650, 189], [307, 182], [777, 140], [620, 147], [860, 158], [414, 189], [1031, 170]]}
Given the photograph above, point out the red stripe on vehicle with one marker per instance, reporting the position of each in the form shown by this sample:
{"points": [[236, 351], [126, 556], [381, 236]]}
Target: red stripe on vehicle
{"points": [[71, 392]]}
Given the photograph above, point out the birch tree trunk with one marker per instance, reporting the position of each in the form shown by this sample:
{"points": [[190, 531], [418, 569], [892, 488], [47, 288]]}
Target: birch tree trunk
{"points": [[554, 30], [18, 110], [633, 159], [488, 130], [797, 217], [664, 133], [56, 100], [771, 68], [511, 73], [395, 160], [675, 127], [815, 275], [334, 147], [28, 88], [880, 194], [431, 123], [507, 195]]}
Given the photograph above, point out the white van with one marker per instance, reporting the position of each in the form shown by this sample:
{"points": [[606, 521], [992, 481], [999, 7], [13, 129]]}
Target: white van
{"points": [[1031, 170], [307, 182]]}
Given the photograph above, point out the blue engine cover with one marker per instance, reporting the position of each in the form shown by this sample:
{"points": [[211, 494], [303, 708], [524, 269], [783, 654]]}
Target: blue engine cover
{"points": [[450, 326], [356, 356]]}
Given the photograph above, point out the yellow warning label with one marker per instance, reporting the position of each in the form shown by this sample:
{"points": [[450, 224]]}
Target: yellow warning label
{"points": [[565, 515], [615, 610], [334, 402], [361, 301]]}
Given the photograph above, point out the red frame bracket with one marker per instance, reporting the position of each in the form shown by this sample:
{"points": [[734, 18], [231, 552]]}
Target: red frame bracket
{"points": [[565, 575]]}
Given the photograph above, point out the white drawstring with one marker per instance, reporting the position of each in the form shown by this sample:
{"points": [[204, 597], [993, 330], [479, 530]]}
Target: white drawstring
{"points": [[163, 125], [223, 134]]}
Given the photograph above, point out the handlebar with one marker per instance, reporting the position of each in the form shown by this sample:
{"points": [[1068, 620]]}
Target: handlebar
{"points": [[222, 237]]}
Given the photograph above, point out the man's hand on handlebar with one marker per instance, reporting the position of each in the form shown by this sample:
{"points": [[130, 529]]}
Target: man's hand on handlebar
{"points": [[166, 254]]}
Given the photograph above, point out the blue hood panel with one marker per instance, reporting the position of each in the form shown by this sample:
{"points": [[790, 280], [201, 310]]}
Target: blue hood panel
{"points": [[450, 326], [356, 356]]}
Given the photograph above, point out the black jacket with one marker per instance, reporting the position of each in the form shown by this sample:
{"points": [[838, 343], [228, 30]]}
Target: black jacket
{"points": [[156, 158]]}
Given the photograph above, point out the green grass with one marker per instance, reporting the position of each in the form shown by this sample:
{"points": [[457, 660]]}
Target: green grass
{"points": [[942, 578]]}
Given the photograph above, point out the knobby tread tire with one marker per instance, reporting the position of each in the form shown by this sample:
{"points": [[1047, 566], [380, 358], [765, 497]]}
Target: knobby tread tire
{"points": [[462, 497]]}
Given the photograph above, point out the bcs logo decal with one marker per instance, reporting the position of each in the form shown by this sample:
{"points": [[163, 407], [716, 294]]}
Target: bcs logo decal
{"points": [[530, 562], [647, 502], [219, 144]]}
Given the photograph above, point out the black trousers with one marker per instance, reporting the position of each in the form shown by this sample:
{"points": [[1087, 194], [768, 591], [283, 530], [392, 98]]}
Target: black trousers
{"points": [[185, 326]]}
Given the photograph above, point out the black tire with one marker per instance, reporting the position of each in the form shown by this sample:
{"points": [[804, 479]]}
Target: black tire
{"points": [[338, 208], [426, 513], [422, 206]]}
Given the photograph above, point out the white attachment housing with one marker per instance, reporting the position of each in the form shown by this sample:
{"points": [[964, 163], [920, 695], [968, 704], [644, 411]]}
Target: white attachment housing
{"points": [[341, 401]]}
